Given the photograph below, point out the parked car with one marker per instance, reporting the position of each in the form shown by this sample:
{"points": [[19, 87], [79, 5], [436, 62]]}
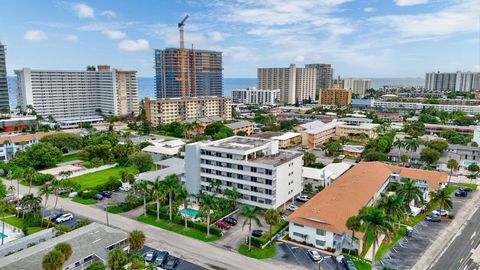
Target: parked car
{"points": [[61, 191], [341, 157], [223, 225], [72, 194], [64, 217], [466, 189], [230, 220], [170, 263], [149, 256], [125, 187], [54, 216], [303, 198], [433, 218], [314, 255], [257, 233], [292, 207], [98, 197], [461, 193], [442, 212], [106, 194], [161, 257], [283, 217], [349, 265]]}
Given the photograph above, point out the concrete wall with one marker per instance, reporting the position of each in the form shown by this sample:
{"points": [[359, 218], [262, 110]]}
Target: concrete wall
{"points": [[23, 243]]}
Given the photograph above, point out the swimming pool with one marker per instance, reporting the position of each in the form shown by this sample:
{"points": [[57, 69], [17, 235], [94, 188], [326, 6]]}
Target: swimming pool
{"points": [[3, 236], [467, 163], [189, 212]]}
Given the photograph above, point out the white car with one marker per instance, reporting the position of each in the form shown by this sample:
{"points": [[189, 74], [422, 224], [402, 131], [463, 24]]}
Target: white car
{"points": [[64, 217], [314, 255], [303, 198], [292, 207], [442, 212], [341, 157], [125, 188]]}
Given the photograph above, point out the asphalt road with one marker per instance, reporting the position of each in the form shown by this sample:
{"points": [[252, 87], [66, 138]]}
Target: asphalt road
{"points": [[458, 254]]}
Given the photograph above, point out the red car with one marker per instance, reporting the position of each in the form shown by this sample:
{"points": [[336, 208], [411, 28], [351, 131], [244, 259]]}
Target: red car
{"points": [[223, 225]]}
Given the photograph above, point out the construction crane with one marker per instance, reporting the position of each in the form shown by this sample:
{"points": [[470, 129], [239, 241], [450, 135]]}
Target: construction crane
{"points": [[181, 24]]}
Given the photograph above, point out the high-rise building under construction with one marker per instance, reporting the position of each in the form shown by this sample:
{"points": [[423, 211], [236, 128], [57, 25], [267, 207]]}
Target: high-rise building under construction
{"points": [[203, 73]]}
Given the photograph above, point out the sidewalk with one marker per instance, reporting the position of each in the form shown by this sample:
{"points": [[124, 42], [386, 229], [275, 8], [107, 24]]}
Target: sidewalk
{"points": [[447, 235]]}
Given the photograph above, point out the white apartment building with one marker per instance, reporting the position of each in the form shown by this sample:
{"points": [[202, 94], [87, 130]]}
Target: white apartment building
{"points": [[11, 144], [358, 86], [265, 176], [458, 81], [256, 96], [168, 110], [411, 106], [295, 84], [77, 96]]}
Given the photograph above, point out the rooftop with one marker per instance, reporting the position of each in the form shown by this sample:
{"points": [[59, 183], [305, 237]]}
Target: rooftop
{"points": [[286, 136], [24, 137], [168, 167], [239, 143], [277, 159], [332, 170], [240, 124]]}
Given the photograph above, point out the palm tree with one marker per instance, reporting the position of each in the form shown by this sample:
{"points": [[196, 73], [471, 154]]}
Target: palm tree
{"points": [[117, 259], [6, 207], [207, 204], [171, 184], [65, 174], [412, 145], [272, 218], [343, 139], [394, 206], [182, 195], [31, 202], [399, 144], [233, 195], [159, 193], [376, 223], [411, 192], [452, 164], [45, 190], [65, 248], [353, 224], [29, 175], [136, 239], [404, 159], [442, 197], [308, 158], [142, 188], [250, 213], [53, 260]]}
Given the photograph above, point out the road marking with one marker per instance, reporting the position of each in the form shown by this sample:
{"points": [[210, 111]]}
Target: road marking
{"points": [[461, 260], [473, 235], [471, 243]]}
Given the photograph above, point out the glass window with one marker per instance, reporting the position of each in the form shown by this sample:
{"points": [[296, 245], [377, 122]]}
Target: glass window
{"points": [[320, 243], [321, 232], [298, 225]]}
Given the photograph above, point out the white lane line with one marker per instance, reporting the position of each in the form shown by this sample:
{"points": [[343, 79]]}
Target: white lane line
{"points": [[474, 233]]}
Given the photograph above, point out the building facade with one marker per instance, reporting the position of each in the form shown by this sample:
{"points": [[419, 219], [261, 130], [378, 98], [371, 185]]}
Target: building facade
{"points": [[256, 97], [203, 71], [417, 107], [335, 96], [4, 101], [245, 126], [77, 96], [295, 84], [324, 75], [10, 145], [168, 110], [265, 176], [358, 86], [458, 81]]}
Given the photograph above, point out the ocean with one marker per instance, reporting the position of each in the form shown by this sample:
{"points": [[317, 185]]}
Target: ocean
{"points": [[146, 85]]}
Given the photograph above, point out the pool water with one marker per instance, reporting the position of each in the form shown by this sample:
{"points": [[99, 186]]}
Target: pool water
{"points": [[3, 236], [467, 163], [189, 212]]}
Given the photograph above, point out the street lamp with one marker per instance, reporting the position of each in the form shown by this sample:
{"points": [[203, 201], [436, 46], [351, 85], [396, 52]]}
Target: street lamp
{"points": [[321, 260], [106, 212]]}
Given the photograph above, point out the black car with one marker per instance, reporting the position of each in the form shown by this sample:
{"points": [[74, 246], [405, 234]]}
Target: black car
{"points": [[170, 263], [461, 193], [433, 218], [466, 189], [106, 194], [348, 264], [54, 216], [257, 233], [98, 197], [230, 220], [161, 257]]}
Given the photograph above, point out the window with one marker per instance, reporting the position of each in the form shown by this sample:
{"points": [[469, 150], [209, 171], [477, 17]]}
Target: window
{"points": [[253, 179], [253, 169], [229, 184], [320, 243], [269, 172], [298, 225], [268, 182], [298, 234], [229, 174], [268, 201], [268, 191], [240, 176], [240, 167], [229, 156], [239, 186], [321, 232], [253, 198]]}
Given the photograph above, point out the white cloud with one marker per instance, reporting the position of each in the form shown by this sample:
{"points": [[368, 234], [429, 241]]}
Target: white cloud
{"points": [[114, 34], [300, 58], [35, 35], [369, 9], [133, 45], [71, 37], [475, 68], [216, 36], [83, 10], [404, 3], [109, 14]]}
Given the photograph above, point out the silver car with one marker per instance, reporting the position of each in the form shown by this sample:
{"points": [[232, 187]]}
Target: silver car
{"points": [[314, 255]]}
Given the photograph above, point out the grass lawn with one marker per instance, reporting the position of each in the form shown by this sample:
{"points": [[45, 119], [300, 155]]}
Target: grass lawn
{"points": [[368, 244], [84, 201], [472, 186], [384, 247], [359, 263], [355, 143], [101, 177], [18, 222], [258, 253], [164, 224], [71, 157]]}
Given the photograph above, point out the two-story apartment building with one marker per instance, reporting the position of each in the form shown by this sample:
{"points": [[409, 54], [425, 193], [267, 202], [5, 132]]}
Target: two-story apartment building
{"points": [[265, 176], [11, 144]]}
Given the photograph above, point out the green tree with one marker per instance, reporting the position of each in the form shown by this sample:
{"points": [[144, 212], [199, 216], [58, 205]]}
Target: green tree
{"points": [[399, 144], [416, 129], [53, 260], [452, 164], [117, 259], [250, 213], [443, 198], [142, 188], [439, 145], [353, 224], [213, 128], [343, 139], [182, 195], [159, 194], [332, 147], [142, 161], [136, 239], [473, 169], [376, 223], [98, 265], [375, 156], [29, 176], [242, 133], [43, 155], [207, 204], [308, 158], [394, 206], [171, 184], [272, 218], [404, 159], [31, 202], [308, 188], [429, 155], [65, 248], [64, 141], [411, 192], [233, 196]]}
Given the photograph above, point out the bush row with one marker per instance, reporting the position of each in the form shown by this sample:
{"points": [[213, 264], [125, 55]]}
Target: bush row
{"points": [[112, 184]]}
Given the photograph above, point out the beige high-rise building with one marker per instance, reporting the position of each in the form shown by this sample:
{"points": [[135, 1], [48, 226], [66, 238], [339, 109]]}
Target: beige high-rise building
{"points": [[126, 87], [295, 84], [336, 96], [168, 110]]}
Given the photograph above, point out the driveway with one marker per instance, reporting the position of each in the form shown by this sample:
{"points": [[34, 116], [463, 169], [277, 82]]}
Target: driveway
{"points": [[70, 223], [297, 256], [182, 264], [238, 234]]}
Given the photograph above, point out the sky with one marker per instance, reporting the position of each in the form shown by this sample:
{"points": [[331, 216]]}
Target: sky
{"points": [[363, 38]]}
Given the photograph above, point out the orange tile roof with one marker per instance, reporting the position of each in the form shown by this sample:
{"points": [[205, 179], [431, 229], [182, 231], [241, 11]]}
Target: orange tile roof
{"points": [[433, 178], [330, 209], [24, 137]]}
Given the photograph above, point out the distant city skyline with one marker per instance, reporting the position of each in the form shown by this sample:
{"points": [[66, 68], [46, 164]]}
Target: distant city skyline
{"points": [[361, 39]]}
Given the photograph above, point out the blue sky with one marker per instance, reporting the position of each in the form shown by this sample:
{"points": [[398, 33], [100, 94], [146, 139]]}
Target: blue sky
{"points": [[364, 38]]}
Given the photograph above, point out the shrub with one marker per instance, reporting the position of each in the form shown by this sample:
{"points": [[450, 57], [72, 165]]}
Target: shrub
{"points": [[87, 194], [96, 162], [87, 164], [353, 252]]}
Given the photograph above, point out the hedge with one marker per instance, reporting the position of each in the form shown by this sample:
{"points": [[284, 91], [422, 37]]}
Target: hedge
{"points": [[260, 242]]}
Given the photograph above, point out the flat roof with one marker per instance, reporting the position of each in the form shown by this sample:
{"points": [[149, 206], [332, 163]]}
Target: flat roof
{"points": [[92, 239], [278, 159], [170, 166], [239, 143], [240, 124], [333, 170], [286, 136]]}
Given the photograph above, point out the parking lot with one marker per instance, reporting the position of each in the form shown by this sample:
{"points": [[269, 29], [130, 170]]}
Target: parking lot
{"points": [[297, 256], [70, 223], [405, 253], [182, 264], [117, 198]]}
